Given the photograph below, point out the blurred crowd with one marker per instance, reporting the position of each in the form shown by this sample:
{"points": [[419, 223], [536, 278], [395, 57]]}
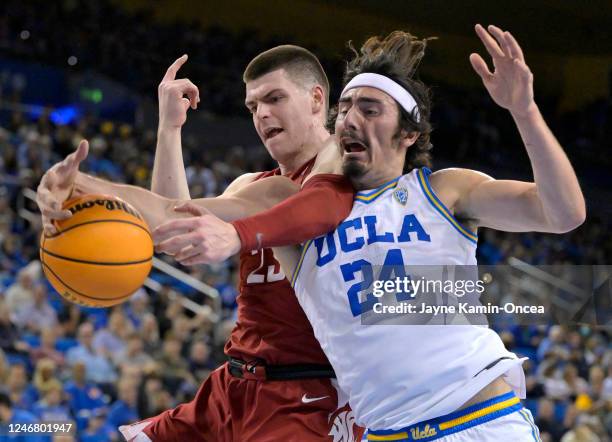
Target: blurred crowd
{"points": [[101, 368]]}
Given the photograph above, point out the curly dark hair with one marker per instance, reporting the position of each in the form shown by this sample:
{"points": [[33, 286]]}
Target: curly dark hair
{"points": [[397, 56]]}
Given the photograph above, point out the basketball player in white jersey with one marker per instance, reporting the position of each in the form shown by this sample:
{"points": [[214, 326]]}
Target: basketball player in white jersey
{"points": [[428, 382]]}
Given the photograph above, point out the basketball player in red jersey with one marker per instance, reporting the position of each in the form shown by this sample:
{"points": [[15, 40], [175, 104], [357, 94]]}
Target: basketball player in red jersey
{"points": [[277, 384]]}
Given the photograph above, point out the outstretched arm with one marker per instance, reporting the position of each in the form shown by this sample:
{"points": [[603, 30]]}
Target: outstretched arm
{"points": [[554, 201], [64, 180], [175, 98]]}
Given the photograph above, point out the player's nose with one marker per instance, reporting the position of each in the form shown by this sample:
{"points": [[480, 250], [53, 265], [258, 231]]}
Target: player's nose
{"points": [[351, 119], [262, 111]]}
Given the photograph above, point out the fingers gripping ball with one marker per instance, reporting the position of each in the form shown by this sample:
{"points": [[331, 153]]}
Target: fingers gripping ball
{"points": [[101, 255]]}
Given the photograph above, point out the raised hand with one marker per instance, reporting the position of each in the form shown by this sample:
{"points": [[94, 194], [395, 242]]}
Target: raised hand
{"points": [[176, 96], [511, 83], [201, 239], [56, 187]]}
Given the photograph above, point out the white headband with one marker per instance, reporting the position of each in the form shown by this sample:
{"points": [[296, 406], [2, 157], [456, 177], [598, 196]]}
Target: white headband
{"points": [[385, 84]]}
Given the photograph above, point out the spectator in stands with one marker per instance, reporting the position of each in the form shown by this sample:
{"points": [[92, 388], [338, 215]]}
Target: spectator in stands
{"points": [[134, 355], [98, 368], [110, 340], [554, 340], [123, 410], [138, 307], [153, 398], [83, 397], [45, 376], [546, 421], [10, 415], [38, 315], [566, 386], [97, 430], [4, 368], [607, 385], [10, 339], [596, 388], [48, 338], [149, 333], [50, 407], [20, 295], [200, 362], [11, 256], [22, 393], [174, 367]]}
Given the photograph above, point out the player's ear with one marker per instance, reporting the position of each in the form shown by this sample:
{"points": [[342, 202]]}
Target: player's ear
{"points": [[318, 99], [407, 139]]}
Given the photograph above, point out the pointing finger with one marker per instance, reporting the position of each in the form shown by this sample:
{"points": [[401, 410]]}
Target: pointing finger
{"points": [[174, 67]]}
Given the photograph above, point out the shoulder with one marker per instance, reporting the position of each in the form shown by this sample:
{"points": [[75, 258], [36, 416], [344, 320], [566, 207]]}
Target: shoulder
{"points": [[456, 179], [240, 182], [453, 184]]}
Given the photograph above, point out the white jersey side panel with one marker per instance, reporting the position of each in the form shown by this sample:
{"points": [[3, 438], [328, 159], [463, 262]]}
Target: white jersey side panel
{"points": [[395, 375]]}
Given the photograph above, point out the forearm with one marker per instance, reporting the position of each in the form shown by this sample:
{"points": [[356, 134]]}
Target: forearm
{"points": [[157, 209], [169, 178], [154, 208], [557, 185]]}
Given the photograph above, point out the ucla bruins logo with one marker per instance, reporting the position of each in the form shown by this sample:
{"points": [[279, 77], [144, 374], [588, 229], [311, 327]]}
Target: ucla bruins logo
{"points": [[401, 195]]}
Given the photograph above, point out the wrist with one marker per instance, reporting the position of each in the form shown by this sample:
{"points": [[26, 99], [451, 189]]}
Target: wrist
{"points": [[80, 185], [167, 128], [236, 244], [529, 113]]}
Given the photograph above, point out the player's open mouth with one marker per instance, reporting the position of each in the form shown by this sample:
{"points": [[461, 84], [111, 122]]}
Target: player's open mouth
{"points": [[351, 145], [271, 132]]}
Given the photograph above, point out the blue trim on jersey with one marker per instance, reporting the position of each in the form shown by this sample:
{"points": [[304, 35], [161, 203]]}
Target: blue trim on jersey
{"points": [[298, 266], [455, 422], [422, 178], [372, 195], [534, 429]]}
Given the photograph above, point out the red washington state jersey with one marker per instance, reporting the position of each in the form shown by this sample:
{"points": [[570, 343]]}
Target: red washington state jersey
{"points": [[271, 324]]}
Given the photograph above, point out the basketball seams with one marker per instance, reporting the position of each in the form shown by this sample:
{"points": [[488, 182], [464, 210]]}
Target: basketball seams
{"points": [[56, 276], [84, 261], [97, 237], [100, 221]]}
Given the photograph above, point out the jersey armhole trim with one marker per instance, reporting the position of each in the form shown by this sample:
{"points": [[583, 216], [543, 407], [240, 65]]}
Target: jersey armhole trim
{"points": [[422, 177], [298, 266]]}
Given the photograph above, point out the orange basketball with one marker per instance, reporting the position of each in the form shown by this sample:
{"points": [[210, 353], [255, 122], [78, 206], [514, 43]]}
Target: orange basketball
{"points": [[101, 255]]}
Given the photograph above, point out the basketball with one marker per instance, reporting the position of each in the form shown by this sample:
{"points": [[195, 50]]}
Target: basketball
{"points": [[101, 255]]}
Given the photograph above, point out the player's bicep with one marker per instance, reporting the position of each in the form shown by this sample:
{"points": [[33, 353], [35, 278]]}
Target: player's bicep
{"points": [[512, 206]]}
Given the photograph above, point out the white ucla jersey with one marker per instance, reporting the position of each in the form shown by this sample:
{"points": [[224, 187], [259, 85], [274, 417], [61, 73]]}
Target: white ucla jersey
{"points": [[396, 375]]}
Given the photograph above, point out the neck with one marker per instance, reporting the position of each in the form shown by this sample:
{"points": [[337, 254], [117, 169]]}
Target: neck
{"points": [[372, 182], [306, 151]]}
